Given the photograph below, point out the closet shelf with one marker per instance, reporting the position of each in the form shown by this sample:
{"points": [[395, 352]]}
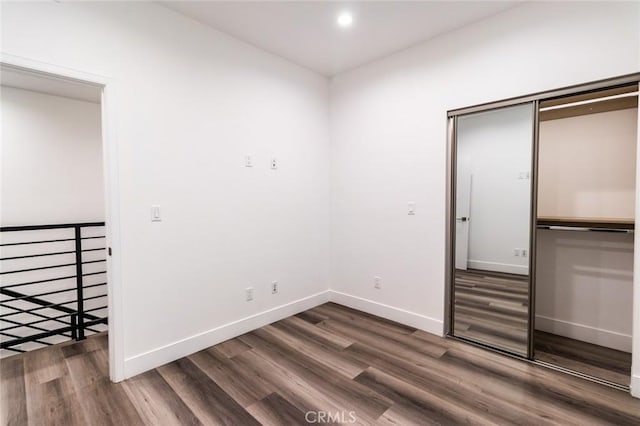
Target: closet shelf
{"points": [[587, 222]]}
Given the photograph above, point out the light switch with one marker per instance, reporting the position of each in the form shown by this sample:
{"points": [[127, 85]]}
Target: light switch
{"points": [[155, 214]]}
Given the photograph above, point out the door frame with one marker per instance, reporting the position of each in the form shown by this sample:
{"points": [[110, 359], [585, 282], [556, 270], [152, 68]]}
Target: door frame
{"points": [[111, 190]]}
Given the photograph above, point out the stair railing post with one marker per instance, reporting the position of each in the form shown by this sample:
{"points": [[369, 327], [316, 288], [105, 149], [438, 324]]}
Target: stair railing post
{"points": [[74, 324], [79, 288]]}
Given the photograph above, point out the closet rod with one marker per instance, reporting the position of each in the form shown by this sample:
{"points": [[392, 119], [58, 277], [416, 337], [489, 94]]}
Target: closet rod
{"points": [[590, 101], [584, 229]]}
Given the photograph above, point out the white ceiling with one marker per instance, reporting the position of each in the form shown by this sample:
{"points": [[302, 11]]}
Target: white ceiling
{"points": [[306, 32]]}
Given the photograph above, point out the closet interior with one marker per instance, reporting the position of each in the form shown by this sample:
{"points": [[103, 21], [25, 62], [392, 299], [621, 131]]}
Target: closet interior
{"points": [[585, 232], [541, 227]]}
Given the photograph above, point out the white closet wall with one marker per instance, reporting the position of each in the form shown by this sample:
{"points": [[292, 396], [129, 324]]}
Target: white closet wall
{"points": [[593, 158], [584, 281], [584, 286]]}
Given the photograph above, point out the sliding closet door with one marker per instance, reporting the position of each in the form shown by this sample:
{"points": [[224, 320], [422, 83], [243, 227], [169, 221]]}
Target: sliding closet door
{"points": [[493, 175]]}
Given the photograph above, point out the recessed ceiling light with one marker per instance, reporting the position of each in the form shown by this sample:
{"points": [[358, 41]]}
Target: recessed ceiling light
{"points": [[345, 19]]}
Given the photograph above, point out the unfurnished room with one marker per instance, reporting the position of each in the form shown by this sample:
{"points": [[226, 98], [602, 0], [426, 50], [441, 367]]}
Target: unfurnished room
{"points": [[319, 212]]}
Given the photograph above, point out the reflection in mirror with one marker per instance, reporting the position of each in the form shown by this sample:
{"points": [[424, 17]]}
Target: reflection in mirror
{"points": [[492, 227]]}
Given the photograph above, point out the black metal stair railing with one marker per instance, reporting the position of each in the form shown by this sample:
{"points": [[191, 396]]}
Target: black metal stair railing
{"points": [[53, 283]]}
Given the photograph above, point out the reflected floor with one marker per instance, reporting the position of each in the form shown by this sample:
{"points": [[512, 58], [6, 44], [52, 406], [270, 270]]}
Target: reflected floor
{"points": [[491, 308], [597, 361]]}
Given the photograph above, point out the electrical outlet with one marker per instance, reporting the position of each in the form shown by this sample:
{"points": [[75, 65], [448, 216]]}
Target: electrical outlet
{"points": [[274, 287], [523, 176], [516, 252], [523, 252], [249, 294], [411, 210], [274, 163], [248, 161], [377, 282]]}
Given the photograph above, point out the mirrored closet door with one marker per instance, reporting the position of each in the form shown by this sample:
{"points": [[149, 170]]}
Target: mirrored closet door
{"points": [[541, 227], [491, 235]]}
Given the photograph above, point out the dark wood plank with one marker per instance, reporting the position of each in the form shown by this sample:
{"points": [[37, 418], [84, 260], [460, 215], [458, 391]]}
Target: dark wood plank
{"points": [[335, 311], [101, 402], [415, 404], [156, 402], [458, 386], [204, 397], [297, 391], [328, 356], [311, 317], [598, 361], [232, 347], [13, 398], [566, 393], [316, 334], [234, 381], [275, 410], [54, 403], [347, 393]]}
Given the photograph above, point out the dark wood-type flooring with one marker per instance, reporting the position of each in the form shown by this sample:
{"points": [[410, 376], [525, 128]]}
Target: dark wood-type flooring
{"points": [[330, 359], [492, 308], [605, 363]]}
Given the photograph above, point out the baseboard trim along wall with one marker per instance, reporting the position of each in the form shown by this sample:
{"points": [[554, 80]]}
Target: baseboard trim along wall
{"points": [[140, 363], [412, 319], [635, 386], [597, 336], [146, 361], [507, 268]]}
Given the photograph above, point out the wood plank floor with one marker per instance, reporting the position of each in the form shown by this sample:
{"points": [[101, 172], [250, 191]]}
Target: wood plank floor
{"points": [[598, 361], [329, 359], [492, 308]]}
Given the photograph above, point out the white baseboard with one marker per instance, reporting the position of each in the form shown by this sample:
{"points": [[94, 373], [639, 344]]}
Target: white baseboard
{"points": [[635, 386], [585, 333], [507, 268], [412, 319], [156, 357], [140, 363]]}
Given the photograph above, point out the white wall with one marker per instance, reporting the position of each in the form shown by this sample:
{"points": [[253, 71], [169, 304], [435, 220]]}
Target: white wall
{"points": [[584, 286], [495, 147], [587, 165], [188, 104], [51, 159], [389, 138]]}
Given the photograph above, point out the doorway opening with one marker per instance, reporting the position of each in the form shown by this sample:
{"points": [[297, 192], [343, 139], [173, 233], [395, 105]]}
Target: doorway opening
{"points": [[56, 236]]}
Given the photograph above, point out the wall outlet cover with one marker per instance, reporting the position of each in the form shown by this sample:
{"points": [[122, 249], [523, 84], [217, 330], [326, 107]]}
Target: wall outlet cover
{"points": [[377, 282]]}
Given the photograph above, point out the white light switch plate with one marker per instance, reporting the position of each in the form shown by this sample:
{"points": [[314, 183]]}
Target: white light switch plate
{"points": [[155, 213]]}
